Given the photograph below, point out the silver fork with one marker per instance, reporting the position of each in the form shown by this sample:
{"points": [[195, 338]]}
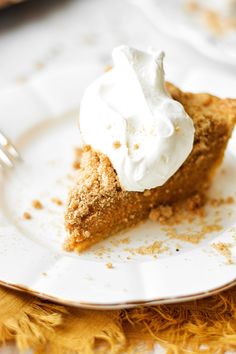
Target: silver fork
{"points": [[8, 153]]}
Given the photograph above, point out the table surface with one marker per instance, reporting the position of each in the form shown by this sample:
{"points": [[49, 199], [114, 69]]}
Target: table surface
{"points": [[41, 36]]}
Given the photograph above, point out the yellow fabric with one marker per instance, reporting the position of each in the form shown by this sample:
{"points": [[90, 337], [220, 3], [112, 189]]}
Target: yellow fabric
{"points": [[203, 326]]}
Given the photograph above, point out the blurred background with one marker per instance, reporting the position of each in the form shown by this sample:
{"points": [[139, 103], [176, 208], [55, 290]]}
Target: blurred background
{"points": [[50, 37]]}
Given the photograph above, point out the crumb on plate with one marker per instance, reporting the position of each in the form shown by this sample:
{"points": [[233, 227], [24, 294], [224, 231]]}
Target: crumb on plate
{"points": [[225, 250], [109, 265], [57, 201], [37, 204], [27, 216]]}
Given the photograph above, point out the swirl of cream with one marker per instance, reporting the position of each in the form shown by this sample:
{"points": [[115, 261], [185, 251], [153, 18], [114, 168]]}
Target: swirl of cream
{"points": [[128, 115]]}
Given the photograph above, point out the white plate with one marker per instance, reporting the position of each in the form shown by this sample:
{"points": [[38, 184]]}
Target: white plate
{"points": [[170, 17], [31, 255]]}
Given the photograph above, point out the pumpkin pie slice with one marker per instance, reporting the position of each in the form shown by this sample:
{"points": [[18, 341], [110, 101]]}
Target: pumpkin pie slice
{"points": [[98, 207]]}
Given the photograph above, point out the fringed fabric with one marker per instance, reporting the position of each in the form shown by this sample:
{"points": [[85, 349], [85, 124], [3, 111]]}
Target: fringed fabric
{"points": [[204, 326]]}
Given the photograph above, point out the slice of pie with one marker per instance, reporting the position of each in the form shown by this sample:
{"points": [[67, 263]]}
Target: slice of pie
{"points": [[98, 207]]}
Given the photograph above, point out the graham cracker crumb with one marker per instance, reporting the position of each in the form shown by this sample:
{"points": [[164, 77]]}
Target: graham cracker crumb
{"points": [[182, 211], [195, 202], [116, 145], [27, 216], [162, 213], [78, 155], [76, 165], [153, 249], [123, 241], [78, 152], [57, 201], [136, 146], [193, 237], [86, 234], [86, 148], [109, 265], [37, 204], [224, 249], [221, 201]]}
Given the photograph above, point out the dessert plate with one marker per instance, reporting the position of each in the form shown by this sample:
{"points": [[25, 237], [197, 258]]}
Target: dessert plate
{"points": [[164, 14], [150, 264]]}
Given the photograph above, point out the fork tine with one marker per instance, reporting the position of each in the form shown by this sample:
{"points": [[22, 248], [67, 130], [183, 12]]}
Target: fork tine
{"points": [[8, 148], [5, 160]]}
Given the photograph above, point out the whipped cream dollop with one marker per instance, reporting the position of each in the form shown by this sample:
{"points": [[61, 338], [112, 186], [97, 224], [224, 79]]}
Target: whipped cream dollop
{"points": [[128, 115]]}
